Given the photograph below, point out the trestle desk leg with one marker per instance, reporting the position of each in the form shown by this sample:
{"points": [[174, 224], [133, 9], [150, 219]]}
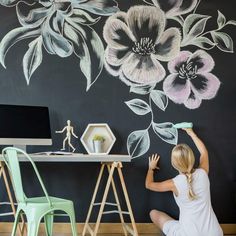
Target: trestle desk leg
{"points": [[86, 226], [127, 200]]}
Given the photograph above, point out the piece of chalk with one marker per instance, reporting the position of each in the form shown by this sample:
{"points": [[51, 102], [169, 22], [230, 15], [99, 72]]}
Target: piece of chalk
{"points": [[183, 125]]}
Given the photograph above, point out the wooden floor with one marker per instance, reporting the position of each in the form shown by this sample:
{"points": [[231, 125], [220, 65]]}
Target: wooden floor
{"points": [[2, 234], [99, 235]]}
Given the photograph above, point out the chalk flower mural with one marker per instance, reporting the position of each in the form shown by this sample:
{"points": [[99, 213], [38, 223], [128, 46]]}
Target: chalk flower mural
{"points": [[157, 62], [63, 28], [140, 45], [136, 43]]}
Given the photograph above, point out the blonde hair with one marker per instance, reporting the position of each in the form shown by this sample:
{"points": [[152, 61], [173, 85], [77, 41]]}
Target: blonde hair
{"points": [[182, 159]]}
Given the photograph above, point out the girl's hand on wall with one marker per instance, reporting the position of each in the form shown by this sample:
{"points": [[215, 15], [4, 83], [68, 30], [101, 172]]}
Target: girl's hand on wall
{"points": [[153, 160]]}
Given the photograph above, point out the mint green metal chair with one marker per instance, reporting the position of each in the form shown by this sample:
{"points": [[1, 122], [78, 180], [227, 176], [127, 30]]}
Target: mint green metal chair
{"points": [[35, 208]]}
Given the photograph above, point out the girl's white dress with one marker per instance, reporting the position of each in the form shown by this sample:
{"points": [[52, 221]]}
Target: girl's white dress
{"points": [[197, 217]]}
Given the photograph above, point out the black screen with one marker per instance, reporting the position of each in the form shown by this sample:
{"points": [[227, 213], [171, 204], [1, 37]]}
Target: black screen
{"points": [[24, 122]]}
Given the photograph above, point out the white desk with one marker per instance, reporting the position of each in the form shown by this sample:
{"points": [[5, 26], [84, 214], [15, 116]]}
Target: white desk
{"points": [[112, 162], [75, 158]]}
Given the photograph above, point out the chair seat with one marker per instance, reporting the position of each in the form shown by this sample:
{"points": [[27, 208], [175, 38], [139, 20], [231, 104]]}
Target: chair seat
{"points": [[44, 200], [43, 204]]}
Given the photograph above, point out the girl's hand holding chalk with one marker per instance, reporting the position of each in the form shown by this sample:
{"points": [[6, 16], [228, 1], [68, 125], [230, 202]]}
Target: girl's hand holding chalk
{"points": [[183, 125], [153, 160], [189, 131]]}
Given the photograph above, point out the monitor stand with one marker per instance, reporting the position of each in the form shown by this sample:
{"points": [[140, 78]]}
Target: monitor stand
{"points": [[22, 147]]}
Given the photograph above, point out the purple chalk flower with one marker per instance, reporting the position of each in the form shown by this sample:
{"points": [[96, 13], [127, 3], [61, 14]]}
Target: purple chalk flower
{"points": [[190, 80]]}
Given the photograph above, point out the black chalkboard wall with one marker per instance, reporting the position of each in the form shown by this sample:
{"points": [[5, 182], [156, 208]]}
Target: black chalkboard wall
{"points": [[59, 84]]}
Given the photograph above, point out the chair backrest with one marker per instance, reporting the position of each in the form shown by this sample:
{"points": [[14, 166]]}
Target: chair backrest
{"points": [[10, 157], [11, 161]]}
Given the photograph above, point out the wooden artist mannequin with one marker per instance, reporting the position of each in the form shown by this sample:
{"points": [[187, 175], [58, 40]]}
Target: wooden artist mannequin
{"points": [[69, 131]]}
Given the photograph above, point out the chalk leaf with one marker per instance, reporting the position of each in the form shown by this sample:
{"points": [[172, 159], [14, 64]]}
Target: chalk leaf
{"points": [[54, 42], [101, 7], [82, 17], [193, 26], [88, 47], [231, 22], [138, 143], [166, 132], [223, 41], [203, 42], [159, 98], [143, 90], [138, 106], [221, 19], [13, 37], [32, 58]]}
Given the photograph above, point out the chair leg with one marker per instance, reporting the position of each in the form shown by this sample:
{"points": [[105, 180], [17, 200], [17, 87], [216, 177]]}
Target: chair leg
{"points": [[15, 223], [48, 220], [73, 223], [33, 227]]}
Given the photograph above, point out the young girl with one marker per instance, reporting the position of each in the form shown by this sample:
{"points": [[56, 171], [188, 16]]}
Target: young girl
{"points": [[191, 190]]}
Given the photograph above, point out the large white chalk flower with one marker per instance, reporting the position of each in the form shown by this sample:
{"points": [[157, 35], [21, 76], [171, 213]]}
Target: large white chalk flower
{"points": [[136, 42]]}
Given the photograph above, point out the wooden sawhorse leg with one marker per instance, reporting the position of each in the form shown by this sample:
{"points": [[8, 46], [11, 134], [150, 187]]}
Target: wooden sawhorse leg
{"points": [[3, 174], [110, 181]]}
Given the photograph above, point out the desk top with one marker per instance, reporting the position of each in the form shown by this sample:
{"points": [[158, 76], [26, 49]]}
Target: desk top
{"points": [[75, 158]]}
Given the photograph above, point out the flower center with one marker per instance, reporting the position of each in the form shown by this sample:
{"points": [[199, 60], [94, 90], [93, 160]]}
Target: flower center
{"points": [[188, 71], [144, 47]]}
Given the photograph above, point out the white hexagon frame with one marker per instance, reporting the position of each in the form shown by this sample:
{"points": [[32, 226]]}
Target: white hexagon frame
{"points": [[100, 129]]}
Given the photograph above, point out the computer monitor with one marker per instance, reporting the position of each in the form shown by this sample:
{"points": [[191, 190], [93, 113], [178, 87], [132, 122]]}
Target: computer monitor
{"points": [[24, 125]]}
